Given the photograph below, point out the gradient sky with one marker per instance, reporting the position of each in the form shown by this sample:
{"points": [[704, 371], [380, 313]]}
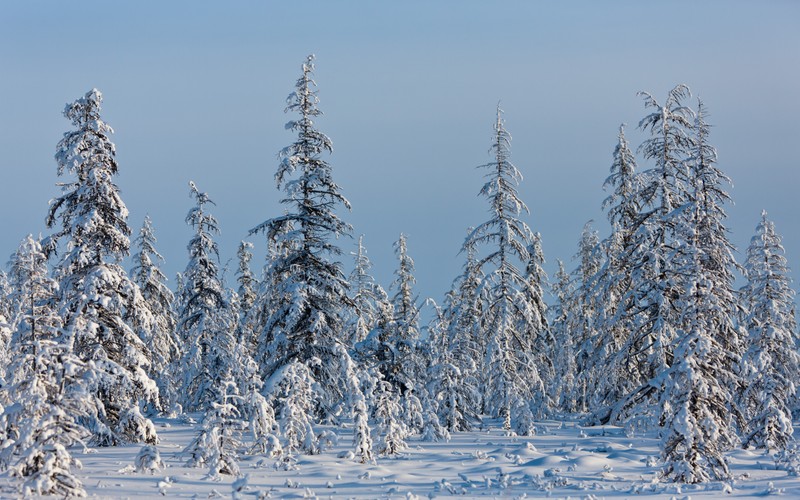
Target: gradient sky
{"points": [[196, 90]]}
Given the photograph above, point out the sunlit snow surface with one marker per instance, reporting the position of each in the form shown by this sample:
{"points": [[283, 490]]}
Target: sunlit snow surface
{"points": [[564, 460]]}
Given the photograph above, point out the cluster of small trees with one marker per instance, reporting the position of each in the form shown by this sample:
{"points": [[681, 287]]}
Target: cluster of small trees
{"points": [[647, 332]]}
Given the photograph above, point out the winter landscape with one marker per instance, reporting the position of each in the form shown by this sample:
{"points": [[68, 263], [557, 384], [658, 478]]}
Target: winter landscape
{"points": [[655, 359]]}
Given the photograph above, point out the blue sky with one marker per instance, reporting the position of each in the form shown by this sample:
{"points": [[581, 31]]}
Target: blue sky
{"points": [[196, 90]]}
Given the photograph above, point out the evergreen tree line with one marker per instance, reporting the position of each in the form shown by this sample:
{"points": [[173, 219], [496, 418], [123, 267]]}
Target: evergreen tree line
{"points": [[648, 332]]}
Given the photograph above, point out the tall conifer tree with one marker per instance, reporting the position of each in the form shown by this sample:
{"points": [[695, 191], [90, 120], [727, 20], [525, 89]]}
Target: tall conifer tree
{"points": [[98, 302], [305, 318], [651, 305], [509, 314], [204, 322], [162, 336], [771, 364]]}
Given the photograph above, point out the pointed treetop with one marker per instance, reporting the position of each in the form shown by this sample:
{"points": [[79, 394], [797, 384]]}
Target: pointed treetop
{"points": [[501, 147], [672, 109], [674, 98], [308, 66], [86, 110], [202, 198], [304, 97], [91, 138]]}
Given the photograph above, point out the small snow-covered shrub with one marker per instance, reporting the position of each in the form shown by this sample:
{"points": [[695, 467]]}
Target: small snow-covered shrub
{"points": [[269, 445], [218, 442], [326, 440], [262, 421], [522, 419], [361, 433], [47, 472], [388, 417], [148, 459], [136, 428], [413, 413], [432, 428], [293, 388]]}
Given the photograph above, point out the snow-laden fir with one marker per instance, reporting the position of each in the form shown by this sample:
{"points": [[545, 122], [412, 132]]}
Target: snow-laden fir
{"points": [[648, 359]]}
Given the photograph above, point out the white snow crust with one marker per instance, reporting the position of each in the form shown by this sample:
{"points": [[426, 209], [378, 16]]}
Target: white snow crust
{"points": [[563, 460]]}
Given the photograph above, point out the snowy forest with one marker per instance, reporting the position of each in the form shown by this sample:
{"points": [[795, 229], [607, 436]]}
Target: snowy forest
{"points": [[660, 332]]}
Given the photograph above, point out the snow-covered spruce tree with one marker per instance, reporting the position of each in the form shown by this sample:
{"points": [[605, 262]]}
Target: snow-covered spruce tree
{"points": [[309, 303], [403, 369], [44, 462], [392, 345], [565, 394], [536, 327], [388, 417], [652, 303], [406, 311], [218, 441], [204, 325], [432, 428], [37, 422], [457, 397], [770, 365], [148, 460], [509, 314], [696, 421], [262, 424], [35, 324], [695, 418], [366, 296], [5, 328], [269, 297], [420, 405], [622, 204], [32, 299], [582, 320], [39, 426], [362, 438], [5, 321], [455, 380], [246, 318], [463, 310], [361, 384], [412, 407], [248, 284], [670, 126], [34, 316], [717, 253], [98, 302], [375, 352], [613, 283], [292, 386], [161, 337], [244, 276], [254, 406]]}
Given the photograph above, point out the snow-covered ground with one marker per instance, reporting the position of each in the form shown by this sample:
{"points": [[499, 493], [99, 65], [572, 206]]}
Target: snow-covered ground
{"points": [[564, 460]]}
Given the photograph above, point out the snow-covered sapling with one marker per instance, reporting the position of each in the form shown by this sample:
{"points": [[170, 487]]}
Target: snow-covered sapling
{"points": [[388, 416], [148, 459]]}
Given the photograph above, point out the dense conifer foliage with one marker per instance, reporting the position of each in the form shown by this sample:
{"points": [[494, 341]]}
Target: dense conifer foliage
{"points": [[205, 324], [308, 305], [512, 322], [770, 364], [98, 303], [162, 336], [645, 330]]}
